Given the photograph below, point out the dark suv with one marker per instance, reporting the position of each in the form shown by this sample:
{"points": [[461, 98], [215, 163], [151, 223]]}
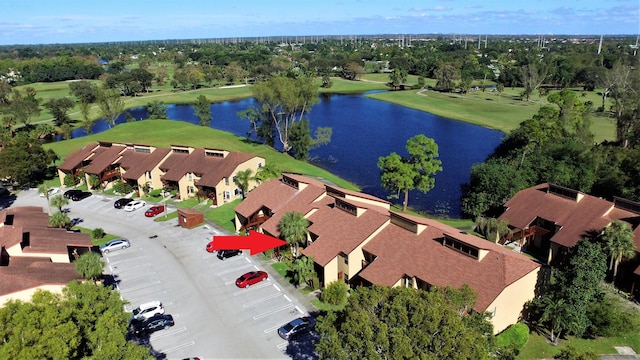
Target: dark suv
{"points": [[69, 193], [120, 203], [152, 324], [223, 254]]}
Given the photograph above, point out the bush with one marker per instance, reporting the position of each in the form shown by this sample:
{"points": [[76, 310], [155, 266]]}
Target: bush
{"points": [[98, 233], [122, 187], [610, 317], [335, 293], [511, 341]]}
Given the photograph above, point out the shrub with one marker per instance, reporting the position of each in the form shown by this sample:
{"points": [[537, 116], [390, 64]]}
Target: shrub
{"points": [[335, 293], [571, 353], [122, 187], [97, 233]]}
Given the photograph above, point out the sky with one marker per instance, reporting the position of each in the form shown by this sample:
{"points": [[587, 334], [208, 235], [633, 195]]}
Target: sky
{"points": [[82, 21]]}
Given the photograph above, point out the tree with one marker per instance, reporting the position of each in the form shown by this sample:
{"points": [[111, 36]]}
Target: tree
{"points": [[85, 321], [401, 174], [446, 75], [44, 189], [59, 220], [531, 77], [94, 181], [293, 228], [491, 228], [242, 179], [285, 101], [618, 244], [157, 110], [555, 312], [302, 270], [59, 202], [267, 172], [352, 71], [21, 158], [110, 104], [335, 293], [87, 122], [59, 107], [202, 108], [399, 323], [85, 91], [24, 107], [234, 72], [397, 78], [89, 266]]}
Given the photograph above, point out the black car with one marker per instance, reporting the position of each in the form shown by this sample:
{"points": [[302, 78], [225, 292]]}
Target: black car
{"points": [[120, 203], [4, 192], [81, 195], [297, 327], [69, 193], [152, 324], [223, 254]]}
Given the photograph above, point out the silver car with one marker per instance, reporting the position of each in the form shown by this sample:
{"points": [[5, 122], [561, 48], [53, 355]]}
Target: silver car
{"points": [[115, 244]]}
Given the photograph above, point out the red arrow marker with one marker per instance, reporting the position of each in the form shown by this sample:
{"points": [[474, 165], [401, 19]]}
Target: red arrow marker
{"points": [[255, 242]]}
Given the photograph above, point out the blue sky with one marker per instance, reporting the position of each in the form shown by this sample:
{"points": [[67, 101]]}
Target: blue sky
{"points": [[72, 21]]}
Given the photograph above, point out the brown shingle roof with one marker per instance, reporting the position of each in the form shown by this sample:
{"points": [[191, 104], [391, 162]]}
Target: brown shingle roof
{"points": [[103, 157], [75, 159], [575, 218], [25, 273], [211, 169], [340, 232], [137, 163], [401, 252]]}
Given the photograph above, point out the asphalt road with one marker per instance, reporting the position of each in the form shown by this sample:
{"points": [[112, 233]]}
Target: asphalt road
{"points": [[213, 318]]}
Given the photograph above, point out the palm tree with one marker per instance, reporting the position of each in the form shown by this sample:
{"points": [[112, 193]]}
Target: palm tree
{"points": [[89, 266], [242, 180], [491, 228], [618, 243], [44, 189], [267, 172], [302, 270], [293, 228], [59, 201], [555, 312], [59, 220]]}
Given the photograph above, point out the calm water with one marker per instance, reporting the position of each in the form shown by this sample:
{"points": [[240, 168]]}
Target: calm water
{"points": [[363, 131]]}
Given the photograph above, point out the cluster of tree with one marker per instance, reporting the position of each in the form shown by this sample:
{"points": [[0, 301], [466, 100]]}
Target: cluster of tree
{"points": [[23, 160], [401, 323], [555, 146], [59, 68], [129, 82], [86, 321], [574, 302]]}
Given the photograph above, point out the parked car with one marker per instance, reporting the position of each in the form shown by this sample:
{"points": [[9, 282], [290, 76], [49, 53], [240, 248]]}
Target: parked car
{"points": [[250, 278], [223, 254], [152, 324], [69, 193], [115, 244], [4, 191], [52, 191], [134, 205], [154, 210], [147, 310], [81, 195], [297, 327], [120, 203]]}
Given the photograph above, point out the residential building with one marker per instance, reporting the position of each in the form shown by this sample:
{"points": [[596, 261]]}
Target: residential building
{"points": [[35, 256], [189, 171], [548, 219], [356, 238]]}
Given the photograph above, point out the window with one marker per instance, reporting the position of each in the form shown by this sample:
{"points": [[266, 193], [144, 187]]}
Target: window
{"points": [[227, 195], [259, 165], [346, 259], [149, 175], [408, 282], [226, 181], [236, 192], [346, 278], [190, 176]]}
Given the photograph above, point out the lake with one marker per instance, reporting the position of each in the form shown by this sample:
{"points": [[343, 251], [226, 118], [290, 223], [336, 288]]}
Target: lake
{"points": [[363, 131]]}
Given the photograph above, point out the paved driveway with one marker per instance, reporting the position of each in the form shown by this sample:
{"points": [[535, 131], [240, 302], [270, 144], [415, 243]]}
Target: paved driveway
{"points": [[213, 318]]}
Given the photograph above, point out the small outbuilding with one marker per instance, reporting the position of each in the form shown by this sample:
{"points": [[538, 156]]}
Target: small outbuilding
{"points": [[189, 218]]}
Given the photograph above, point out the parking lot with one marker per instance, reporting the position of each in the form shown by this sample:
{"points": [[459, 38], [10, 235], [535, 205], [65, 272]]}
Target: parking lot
{"points": [[213, 317]]}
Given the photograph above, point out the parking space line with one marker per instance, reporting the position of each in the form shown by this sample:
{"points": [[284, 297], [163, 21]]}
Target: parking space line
{"points": [[179, 347], [274, 328], [141, 287], [235, 269], [131, 267], [282, 345], [276, 286], [260, 316], [168, 332], [261, 300]]}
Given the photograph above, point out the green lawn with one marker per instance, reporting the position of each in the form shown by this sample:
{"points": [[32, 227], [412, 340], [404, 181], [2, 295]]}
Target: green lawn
{"points": [[539, 348], [224, 215]]}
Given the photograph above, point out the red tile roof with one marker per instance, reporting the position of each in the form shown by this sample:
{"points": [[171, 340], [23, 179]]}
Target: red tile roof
{"points": [[575, 218], [401, 252]]}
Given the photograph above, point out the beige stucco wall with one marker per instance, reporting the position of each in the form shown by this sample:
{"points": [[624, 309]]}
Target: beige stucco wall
{"points": [[61, 175], [508, 306], [222, 186], [16, 251], [331, 271], [26, 295], [357, 255]]}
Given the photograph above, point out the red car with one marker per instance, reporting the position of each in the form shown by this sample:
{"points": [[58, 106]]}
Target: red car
{"points": [[210, 247], [250, 278], [154, 210]]}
